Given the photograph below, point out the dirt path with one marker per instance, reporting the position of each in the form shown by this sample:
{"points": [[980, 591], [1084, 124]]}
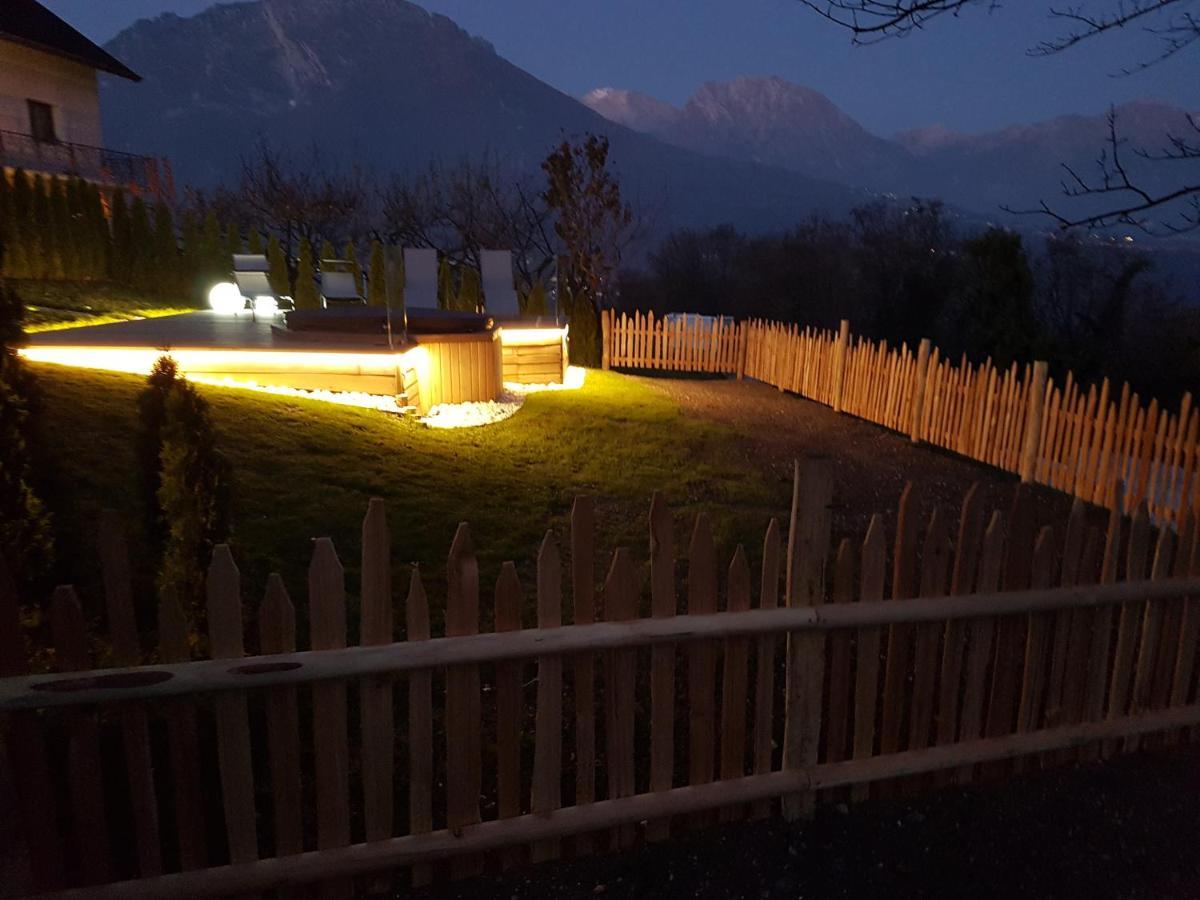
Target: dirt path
{"points": [[871, 464], [1126, 829]]}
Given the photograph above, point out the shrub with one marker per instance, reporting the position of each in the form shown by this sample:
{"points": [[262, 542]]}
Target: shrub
{"points": [[377, 277], [193, 494], [534, 302], [26, 540], [305, 294], [277, 268], [152, 414]]}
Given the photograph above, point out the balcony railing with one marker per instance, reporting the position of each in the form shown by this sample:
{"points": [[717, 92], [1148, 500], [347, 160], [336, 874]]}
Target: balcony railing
{"points": [[145, 175]]}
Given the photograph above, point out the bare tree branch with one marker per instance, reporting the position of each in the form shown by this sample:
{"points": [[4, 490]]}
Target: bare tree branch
{"points": [[1172, 21], [1134, 202]]}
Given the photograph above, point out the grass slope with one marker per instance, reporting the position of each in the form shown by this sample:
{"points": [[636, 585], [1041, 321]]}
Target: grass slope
{"points": [[304, 469], [52, 305]]}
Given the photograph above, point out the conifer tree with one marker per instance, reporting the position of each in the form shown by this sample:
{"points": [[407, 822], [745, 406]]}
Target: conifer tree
{"points": [[122, 240], [447, 296], [8, 224], [166, 251], [75, 261], [99, 232], [142, 264], [277, 267], [59, 260], [254, 242], [40, 248], [193, 494], [152, 414], [377, 277], [233, 243], [305, 293], [351, 257], [470, 293], [20, 265], [327, 252], [213, 265], [25, 535], [191, 253], [535, 300]]}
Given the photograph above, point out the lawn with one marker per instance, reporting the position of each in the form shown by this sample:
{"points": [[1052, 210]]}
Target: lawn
{"points": [[51, 305], [304, 469]]}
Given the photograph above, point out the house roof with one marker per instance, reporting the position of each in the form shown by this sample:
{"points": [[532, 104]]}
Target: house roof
{"points": [[28, 22]]}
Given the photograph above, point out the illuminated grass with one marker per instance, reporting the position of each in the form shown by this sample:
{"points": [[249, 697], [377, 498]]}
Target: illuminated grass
{"points": [[51, 306], [305, 469]]}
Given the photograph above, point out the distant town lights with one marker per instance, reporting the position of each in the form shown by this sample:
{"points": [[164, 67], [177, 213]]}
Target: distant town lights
{"points": [[225, 298]]}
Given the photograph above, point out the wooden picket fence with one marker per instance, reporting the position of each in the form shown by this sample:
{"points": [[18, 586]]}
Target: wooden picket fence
{"points": [[988, 649], [1081, 441]]}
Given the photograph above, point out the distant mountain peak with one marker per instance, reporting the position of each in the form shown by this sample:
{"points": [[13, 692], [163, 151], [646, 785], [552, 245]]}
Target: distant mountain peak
{"points": [[762, 118]]}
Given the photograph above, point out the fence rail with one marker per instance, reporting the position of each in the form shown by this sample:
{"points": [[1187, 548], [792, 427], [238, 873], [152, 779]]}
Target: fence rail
{"points": [[997, 649], [1079, 440], [139, 174]]}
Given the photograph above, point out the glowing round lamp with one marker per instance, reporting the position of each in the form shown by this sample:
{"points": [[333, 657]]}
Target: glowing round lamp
{"points": [[266, 304], [226, 299]]}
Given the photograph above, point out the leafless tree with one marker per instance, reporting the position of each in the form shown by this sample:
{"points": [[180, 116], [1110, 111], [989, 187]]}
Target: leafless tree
{"points": [[295, 199], [462, 209], [1175, 23]]}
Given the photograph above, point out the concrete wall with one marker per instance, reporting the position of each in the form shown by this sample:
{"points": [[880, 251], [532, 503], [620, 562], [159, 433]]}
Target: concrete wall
{"points": [[69, 87]]}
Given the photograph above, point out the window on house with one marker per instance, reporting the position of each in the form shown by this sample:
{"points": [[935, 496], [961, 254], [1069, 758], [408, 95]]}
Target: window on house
{"points": [[41, 122]]}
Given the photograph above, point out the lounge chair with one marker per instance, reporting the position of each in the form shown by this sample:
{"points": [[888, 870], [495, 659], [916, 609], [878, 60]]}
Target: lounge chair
{"points": [[250, 275], [499, 294], [420, 278], [338, 287]]}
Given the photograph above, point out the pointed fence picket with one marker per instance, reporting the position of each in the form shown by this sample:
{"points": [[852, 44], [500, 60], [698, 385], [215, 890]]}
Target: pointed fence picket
{"points": [[1061, 434], [1000, 644]]}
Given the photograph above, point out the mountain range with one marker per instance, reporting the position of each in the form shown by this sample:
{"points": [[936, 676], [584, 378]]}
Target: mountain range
{"points": [[389, 86], [771, 121]]}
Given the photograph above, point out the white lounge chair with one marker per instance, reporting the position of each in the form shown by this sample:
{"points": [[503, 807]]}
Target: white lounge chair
{"points": [[499, 294], [250, 276], [420, 278], [337, 285]]}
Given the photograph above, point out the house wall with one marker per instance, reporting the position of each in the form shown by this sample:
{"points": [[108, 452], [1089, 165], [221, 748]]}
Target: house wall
{"points": [[69, 87]]}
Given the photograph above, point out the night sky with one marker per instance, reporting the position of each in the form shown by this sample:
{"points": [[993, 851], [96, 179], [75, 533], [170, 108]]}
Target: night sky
{"points": [[969, 74]]}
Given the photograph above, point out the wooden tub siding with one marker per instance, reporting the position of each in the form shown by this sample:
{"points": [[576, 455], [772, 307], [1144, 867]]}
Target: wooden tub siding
{"points": [[535, 363]]}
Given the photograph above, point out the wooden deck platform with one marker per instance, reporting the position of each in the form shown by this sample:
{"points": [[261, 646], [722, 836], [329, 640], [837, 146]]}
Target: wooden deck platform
{"points": [[426, 369]]}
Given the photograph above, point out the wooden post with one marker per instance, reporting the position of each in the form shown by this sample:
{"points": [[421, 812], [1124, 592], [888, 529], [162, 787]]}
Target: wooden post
{"points": [[584, 602], [135, 735], [85, 781], [420, 724], [233, 727], [375, 694], [277, 634], [464, 745], [620, 604], [182, 741], [866, 675], [764, 674], [839, 364], [808, 547], [919, 376], [331, 752], [606, 335], [546, 791], [662, 660], [509, 708], [743, 345], [702, 658], [1031, 445]]}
